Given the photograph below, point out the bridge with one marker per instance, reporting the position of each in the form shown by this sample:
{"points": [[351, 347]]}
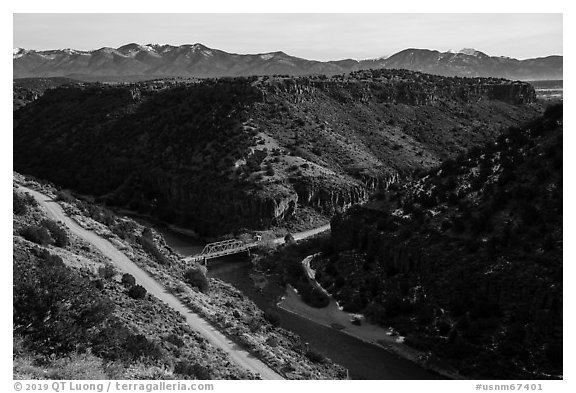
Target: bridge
{"points": [[220, 249]]}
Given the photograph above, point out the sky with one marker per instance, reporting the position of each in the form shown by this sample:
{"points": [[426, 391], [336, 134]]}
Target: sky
{"points": [[311, 36]]}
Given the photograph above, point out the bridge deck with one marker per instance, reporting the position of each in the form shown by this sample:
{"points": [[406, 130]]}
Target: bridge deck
{"points": [[220, 249]]}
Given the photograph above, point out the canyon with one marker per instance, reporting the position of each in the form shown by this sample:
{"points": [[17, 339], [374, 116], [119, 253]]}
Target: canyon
{"points": [[225, 155]]}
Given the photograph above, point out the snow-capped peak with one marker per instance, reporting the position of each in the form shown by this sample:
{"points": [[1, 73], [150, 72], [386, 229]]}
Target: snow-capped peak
{"points": [[19, 52], [70, 51], [470, 52]]}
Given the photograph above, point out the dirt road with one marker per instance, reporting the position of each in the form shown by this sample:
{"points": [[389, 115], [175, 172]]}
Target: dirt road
{"points": [[304, 234], [123, 263]]}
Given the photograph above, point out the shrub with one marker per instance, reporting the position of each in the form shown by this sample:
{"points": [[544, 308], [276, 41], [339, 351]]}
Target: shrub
{"points": [[98, 284], [195, 370], [64, 196], [107, 271], [196, 277], [289, 239], [137, 345], [54, 260], [137, 292], [56, 308], [57, 232], [128, 279], [315, 356], [36, 234], [20, 202], [150, 247]]}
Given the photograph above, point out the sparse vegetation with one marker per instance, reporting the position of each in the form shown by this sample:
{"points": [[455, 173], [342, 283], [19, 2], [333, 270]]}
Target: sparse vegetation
{"points": [[196, 277], [56, 232], [467, 276], [206, 138]]}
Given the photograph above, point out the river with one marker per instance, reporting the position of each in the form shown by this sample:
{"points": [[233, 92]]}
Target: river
{"points": [[363, 360]]}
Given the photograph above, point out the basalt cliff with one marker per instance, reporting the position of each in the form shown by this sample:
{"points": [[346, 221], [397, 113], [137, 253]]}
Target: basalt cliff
{"points": [[465, 260], [225, 154]]}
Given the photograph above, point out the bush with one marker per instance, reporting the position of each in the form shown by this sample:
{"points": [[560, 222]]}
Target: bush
{"points": [[196, 277], [98, 284], [137, 345], [195, 370], [107, 271], [64, 196], [36, 234], [137, 292], [53, 260], [175, 340], [55, 308], [20, 203], [315, 356], [150, 247], [128, 279], [57, 232]]}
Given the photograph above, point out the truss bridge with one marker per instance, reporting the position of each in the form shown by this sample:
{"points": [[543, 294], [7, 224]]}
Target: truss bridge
{"points": [[220, 249]]}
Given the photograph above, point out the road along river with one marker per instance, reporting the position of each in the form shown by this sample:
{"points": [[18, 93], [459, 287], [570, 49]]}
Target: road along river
{"points": [[362, 359], [124, 264]]}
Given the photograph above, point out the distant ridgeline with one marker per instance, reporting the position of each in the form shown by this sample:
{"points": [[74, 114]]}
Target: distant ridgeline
{"points": [[135, 62], [218, 155], [466, 259]]}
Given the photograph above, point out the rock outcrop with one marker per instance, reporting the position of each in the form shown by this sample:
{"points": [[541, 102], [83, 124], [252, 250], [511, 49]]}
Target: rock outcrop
{"points": [[220, 155]]}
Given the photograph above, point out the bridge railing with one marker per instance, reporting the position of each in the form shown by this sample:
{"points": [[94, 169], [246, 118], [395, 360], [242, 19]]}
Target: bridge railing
{"points": [[217, 249]]}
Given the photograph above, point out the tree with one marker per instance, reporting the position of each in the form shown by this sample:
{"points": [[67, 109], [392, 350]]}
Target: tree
{"points": [[137, 292], [289, 239], [128, 279], [57, 232], [196, 277], [36, 234], [18, 204]]}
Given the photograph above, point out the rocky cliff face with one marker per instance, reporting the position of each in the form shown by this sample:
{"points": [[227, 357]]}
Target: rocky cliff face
{"points": [[403, 87], [219, 155], [465, 260]]}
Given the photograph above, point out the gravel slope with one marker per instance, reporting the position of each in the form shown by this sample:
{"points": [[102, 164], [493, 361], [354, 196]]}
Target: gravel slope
{"points": [[237, 354]]}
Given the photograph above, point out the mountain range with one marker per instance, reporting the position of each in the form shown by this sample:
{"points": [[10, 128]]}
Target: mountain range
{"points": [[141, 62]]}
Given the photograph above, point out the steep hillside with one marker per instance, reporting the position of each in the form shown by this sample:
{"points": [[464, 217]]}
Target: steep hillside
{"points": [[26, 90], [466, 260], [134, 62], [219, 155], [76, 316]]}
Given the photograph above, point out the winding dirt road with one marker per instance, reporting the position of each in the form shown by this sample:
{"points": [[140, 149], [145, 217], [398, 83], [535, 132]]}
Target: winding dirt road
{"points": [[237, 354], [304, 234]]}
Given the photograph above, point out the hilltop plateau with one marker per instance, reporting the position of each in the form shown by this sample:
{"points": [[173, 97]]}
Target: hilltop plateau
{"points": [[224, 155]]}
